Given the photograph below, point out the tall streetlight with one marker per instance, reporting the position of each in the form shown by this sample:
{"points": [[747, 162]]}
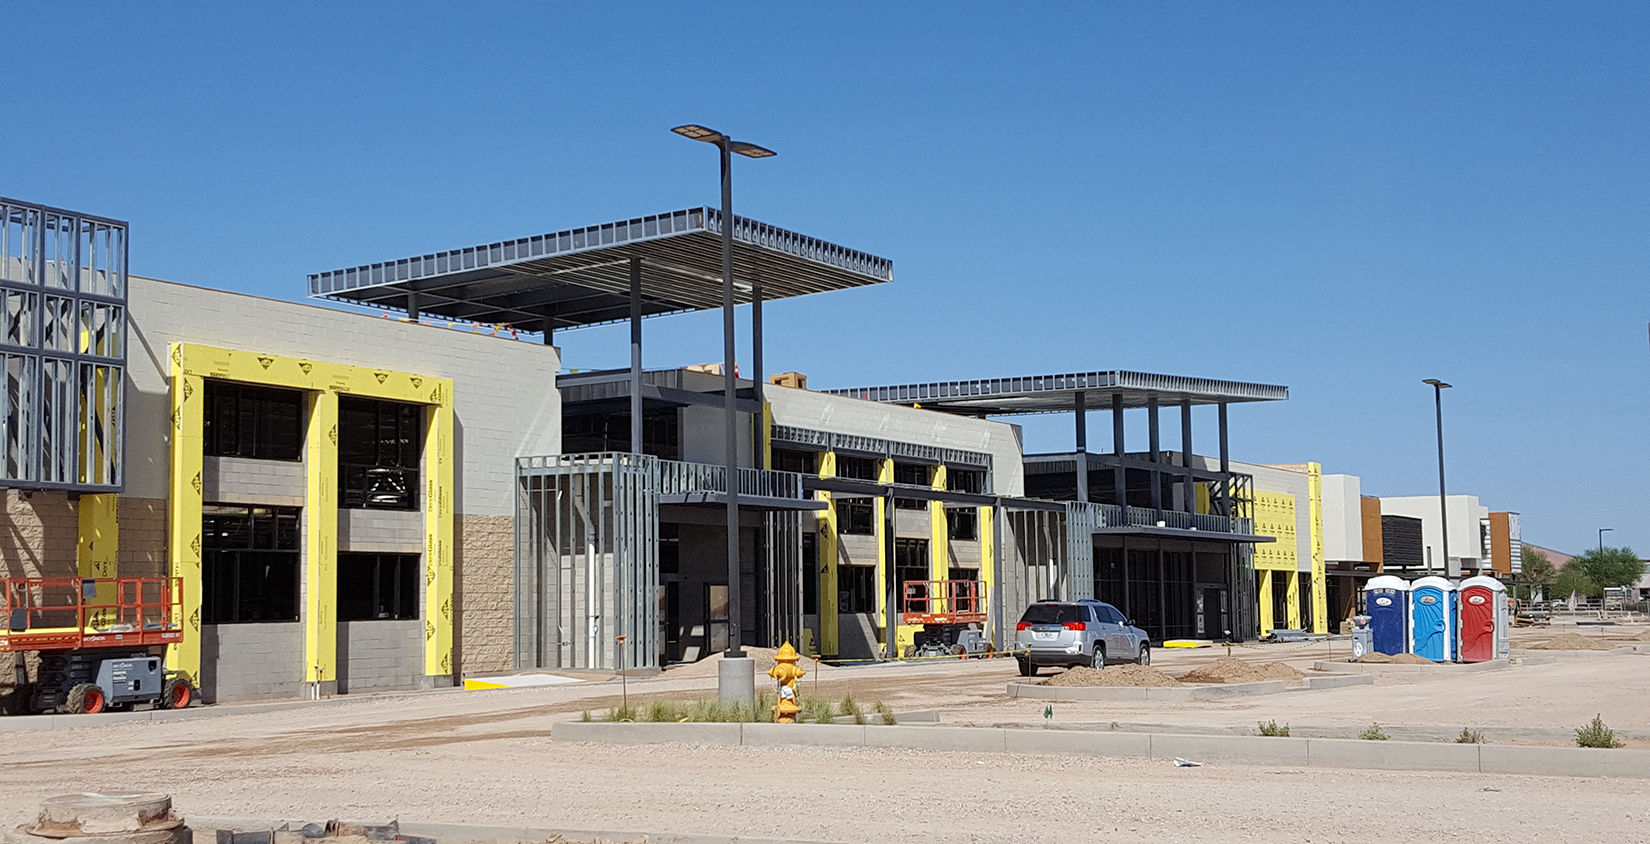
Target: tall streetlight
{"points": [[1438, 388], [1601, 538], [730, 687]]}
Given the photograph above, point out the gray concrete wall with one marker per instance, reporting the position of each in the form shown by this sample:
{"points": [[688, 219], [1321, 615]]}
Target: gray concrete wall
{"points": [[505, 406], [843, 415], [703, 440], [380, 655], [858, 636], [381, 531], [252, 661], [1343, 524], [241, 480]]}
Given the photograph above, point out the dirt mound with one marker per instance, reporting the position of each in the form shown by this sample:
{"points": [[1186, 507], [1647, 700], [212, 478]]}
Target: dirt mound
{"points": [[1395, 659], [1119, 675], [1642, 636], [1570, 642], [707, 667], [1230, 669]]}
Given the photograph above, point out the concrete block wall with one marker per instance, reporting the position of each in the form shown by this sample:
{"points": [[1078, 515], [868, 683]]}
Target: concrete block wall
{"points": [[241, 480], [505, 402], [381, 531], [844, 415], [380, 655], [142, 550], [486, 593], [39, 535], [252, 661]]}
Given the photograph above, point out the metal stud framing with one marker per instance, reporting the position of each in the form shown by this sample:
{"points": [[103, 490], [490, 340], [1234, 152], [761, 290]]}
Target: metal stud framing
{"points": [[62, 348]]}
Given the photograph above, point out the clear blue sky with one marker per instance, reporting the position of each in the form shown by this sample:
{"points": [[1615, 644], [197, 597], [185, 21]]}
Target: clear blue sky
{"points": [[1343, 198]]}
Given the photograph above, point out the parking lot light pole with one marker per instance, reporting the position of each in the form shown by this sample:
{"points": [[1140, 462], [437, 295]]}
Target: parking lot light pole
{"points": [[726, 146], [1601, 538], [1438, 388]]}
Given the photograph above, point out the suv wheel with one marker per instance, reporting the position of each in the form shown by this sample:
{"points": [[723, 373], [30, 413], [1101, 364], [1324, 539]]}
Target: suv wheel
{"points": [[1026, 668], [1145, 657], [1099, 660]]}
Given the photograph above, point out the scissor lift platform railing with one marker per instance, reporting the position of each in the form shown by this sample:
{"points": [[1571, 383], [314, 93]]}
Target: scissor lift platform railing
{"points": [[70, 613], [943, 602]]}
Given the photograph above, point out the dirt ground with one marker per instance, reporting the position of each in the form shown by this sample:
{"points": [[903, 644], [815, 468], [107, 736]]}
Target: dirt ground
{"points": [[486, 758]]}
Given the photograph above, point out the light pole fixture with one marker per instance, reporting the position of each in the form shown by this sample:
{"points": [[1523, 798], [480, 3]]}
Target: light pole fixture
{"points": [[1601, 539], [726, 146], [1438, 388]]}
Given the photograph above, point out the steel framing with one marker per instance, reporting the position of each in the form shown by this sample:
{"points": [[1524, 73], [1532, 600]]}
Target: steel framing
{"points": [[62, 349]]}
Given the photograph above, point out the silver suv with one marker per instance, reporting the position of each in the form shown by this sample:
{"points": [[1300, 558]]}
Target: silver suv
{"points": [[1085, 632]]}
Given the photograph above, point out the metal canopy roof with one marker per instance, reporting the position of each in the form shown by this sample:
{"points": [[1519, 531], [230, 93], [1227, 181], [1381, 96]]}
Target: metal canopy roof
{"points": [[581, 276], [1058, 393]]}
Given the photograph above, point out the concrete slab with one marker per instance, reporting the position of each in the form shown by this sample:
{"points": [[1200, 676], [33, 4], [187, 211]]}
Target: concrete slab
{"points": [[1245, 750], [971, 739], [1338, 681], [1564, 761], [1077, 742], [723, 734], [804, 735], [1392, 755], [206, 828], [1033, 691]]}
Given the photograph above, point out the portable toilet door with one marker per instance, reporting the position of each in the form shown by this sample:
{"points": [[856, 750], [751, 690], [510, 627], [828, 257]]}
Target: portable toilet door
{"points": [[1386, 602], [1430, 625], [1503, 625], [1483, 608]]}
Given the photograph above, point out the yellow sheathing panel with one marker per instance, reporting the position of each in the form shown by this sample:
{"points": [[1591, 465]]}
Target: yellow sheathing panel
{"points": [[321, 540], [885, 475], [99, 540], [988, 560], [325, 381], [1275, 516], [1267, 622], [183, 511], [1320, 585], [939, 539], [826, 545], [438, 536], [1292, 600], [767, 435]]}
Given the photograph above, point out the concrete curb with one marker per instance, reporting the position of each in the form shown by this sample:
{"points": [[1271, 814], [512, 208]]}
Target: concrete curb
{"points": [[1181, 694], [206, 828], [1241, 750], [1398, 668]]}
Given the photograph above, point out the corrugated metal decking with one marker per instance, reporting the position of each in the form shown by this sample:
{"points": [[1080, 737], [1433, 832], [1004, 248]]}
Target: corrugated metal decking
{"points": [[581, 276]]}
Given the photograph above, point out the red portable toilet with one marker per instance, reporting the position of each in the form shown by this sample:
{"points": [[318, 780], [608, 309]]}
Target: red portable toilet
{"points": [[1483, 599]]}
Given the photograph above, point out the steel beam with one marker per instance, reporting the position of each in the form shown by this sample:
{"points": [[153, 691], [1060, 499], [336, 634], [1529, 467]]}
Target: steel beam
{"points": [[635, 354], [1119, 475], [1082, 416]]}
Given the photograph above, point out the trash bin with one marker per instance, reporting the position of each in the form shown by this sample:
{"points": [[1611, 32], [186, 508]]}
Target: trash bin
{"points": [[1431, 623], [1387, 600], [1482, 614], [1363, 639]]}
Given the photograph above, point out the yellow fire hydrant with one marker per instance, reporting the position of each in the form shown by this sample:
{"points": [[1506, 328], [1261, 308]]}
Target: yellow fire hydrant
{"points": [[787, 673]]}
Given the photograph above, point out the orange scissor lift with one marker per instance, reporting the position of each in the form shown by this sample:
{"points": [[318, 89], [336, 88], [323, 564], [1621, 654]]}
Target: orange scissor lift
{"points": [[97, 640], [951, 614]]}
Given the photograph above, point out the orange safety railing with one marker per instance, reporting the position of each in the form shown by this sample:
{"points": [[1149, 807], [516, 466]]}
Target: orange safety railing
{"points": [[57, 613], [943, 601]]}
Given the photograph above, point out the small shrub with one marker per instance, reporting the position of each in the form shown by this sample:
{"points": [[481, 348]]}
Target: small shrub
{"points": [[817, 711], [621, 713], [886, 712], [763, 711], [1597, 735], [1271, 728], [1469, 737], [660, 712], [1374, 733], [849, 706]]}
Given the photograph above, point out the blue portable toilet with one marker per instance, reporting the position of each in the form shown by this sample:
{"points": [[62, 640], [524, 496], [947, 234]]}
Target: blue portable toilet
{"points": [[1386, 600], [1432, 619]]}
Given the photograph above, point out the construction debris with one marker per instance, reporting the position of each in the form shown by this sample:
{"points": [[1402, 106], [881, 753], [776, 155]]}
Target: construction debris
{"points": [[89, 818]]}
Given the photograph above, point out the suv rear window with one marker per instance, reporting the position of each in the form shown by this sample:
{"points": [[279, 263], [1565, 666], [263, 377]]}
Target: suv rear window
{"points": [[1052, 614]]}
